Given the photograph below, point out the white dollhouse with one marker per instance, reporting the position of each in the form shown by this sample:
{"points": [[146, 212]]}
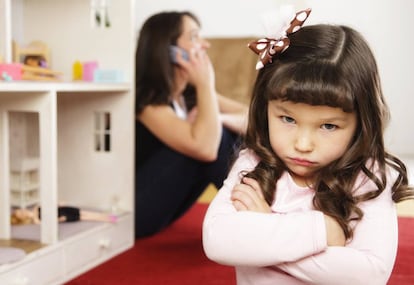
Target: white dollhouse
{"points": [[68, 141]]}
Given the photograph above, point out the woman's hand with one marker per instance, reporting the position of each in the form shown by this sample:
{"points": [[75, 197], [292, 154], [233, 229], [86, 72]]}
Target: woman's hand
{"points": [[248, 196], [198, 68]]}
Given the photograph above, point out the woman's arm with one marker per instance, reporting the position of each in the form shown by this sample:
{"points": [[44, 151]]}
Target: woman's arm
{"points": [[233, 114], [200, 137]]}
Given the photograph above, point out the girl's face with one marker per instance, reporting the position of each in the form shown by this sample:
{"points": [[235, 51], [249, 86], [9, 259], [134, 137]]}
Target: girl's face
{"points": [[190, 38], [307, 137]]}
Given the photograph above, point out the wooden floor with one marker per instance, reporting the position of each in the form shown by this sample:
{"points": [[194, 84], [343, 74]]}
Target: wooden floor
{"points": [[208, 194], [405, 209], [27, 245]]}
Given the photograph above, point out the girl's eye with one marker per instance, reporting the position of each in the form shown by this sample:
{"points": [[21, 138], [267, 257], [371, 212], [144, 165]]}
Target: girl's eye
{"points": [[288, 120], [329, 127]]}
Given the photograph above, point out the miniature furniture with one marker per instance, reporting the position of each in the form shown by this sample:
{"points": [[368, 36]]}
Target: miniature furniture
{"points": [[37, 48], [24, 182], [68, 165], [19, 71], [39, 73]]}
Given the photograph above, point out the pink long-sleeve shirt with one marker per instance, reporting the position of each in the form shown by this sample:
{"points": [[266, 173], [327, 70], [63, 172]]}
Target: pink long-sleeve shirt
{"points": [[289, 246]]}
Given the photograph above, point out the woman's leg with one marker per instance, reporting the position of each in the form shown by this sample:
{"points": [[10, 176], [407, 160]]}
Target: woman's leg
{"points": [[214, 172], [169, 184], [217, 171], [166, 182]]}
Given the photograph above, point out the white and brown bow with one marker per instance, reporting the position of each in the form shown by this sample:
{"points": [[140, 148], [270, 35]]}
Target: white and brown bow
{"points": [[268, 47]]}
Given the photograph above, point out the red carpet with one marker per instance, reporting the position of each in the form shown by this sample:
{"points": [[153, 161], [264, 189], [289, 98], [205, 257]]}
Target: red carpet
{"points": [[403, 273], [175, 256]]}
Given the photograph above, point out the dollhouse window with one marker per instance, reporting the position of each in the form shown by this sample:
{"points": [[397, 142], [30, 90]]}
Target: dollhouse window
{"points": [[102, 131]]}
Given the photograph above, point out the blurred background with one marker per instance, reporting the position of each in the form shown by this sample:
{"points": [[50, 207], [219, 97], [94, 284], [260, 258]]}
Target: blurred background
{"points": [[387, 26]]}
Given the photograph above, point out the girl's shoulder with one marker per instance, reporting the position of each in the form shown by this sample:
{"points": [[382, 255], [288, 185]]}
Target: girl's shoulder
{"points": [[248, 156], [245, 161], [365, 184]]}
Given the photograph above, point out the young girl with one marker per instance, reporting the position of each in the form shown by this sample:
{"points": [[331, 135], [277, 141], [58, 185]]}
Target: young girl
{"points": [[311, 198]]}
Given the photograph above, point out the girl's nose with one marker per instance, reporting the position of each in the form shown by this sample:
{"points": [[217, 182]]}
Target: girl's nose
{"points": [[304, 142]]}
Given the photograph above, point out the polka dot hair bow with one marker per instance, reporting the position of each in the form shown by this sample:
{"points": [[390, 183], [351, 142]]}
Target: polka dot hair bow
{"points": [[268, 47]]}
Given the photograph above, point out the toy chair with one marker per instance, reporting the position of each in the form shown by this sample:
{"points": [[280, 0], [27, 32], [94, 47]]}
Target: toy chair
{"points": [[35, 48]]}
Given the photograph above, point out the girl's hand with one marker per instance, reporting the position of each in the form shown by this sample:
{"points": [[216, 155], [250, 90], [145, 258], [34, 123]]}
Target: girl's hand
{"points": [[334, 234], [248, 196]]}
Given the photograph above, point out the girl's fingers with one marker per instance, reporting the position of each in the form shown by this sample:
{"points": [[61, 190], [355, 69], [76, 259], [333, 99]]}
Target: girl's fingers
{"points": [[246, 195], [239, 206], [250, 196], [254, 185]]}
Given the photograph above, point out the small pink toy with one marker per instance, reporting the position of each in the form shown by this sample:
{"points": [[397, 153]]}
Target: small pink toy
{"points": [[13, 71], [89, 68], [18, 71]]}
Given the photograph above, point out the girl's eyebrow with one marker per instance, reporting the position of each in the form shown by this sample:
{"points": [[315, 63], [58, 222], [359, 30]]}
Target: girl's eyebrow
{"points": [[280, 108], [283, 109], [334, 119]]}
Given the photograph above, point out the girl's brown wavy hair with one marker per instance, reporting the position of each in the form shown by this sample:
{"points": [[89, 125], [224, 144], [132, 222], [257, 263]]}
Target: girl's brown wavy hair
{"points": [[333, 66]]}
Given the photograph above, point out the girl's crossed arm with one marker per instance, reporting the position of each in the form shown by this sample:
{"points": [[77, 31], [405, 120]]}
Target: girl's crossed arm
{"points": [[298, 243], [248, 196]]}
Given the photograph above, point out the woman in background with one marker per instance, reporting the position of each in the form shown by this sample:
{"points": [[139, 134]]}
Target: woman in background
{"points": [[185, 131]]}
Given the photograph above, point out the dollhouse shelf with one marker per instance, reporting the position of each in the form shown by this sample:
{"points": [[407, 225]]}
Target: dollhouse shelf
{"points": [[29, 86], [65, 125]]}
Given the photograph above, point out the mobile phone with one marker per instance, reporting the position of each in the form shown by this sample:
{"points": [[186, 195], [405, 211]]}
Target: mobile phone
{"points": [[175, 50]]}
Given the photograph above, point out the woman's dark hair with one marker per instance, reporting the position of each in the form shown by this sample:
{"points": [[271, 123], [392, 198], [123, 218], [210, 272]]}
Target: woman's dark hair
{"points": [[153, 68], [333, 66]]}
